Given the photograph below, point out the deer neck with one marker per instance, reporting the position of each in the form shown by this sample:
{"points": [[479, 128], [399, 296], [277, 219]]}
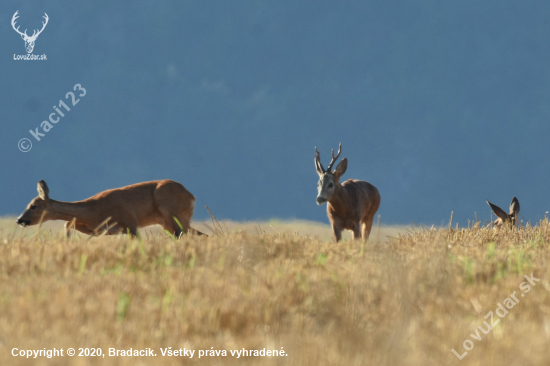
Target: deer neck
{"points": [[338, 199], [59, 210]]}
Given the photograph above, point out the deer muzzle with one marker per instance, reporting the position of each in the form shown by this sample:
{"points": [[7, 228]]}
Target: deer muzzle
{"points": [[22, 222]]}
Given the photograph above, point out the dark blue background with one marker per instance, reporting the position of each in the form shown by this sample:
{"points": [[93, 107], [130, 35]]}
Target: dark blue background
{"points": [[441, 105]]}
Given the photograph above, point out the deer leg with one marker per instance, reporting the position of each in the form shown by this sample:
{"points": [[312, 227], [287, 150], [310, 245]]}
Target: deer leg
{"points": [[132, 231], [337, 231], [176, 229], [172, 226], [128, 223], [128, 226], [68, 225], [367, 225], [176, 222], [185, 225], [357, 231], [77, 226], [185, 219]]}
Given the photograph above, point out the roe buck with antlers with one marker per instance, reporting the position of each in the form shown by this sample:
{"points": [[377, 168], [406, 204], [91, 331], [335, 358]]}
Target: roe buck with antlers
{"points": [[351, 203], [29, 41], [504, 217], [117, 210]]}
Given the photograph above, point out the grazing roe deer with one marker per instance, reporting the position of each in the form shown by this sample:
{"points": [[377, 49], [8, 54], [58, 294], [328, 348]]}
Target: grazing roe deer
{"points": [[504, 217], [129, 208], [351, 203]]}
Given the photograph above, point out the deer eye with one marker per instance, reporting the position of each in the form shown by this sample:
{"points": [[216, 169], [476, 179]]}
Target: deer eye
{"points": [[33, 207], [330, 185]]}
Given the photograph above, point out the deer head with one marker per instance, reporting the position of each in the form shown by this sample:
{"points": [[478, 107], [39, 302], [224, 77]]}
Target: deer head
{"points": [[36, 208], [329, 181], [504, 217], [29, 41]]}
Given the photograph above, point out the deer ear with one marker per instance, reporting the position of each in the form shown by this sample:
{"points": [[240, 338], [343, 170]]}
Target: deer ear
{"points": [[498, 211], [514, 206], [341, 168], [43, 190]]}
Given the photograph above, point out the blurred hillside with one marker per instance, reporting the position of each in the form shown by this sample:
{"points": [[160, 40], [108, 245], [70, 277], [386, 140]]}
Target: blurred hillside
{"points": [[439, 105]]}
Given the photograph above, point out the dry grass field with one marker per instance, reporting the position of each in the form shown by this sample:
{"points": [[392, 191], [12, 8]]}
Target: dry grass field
{"points": [[406, 300]]}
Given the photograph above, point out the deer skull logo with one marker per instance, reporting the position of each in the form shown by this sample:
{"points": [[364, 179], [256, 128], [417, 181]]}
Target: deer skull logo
{"points": [[29, 41]]}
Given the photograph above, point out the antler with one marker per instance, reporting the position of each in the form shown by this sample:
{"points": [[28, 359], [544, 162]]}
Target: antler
{"points": [[34, 35], [318, 160], [15, 16], [43, 26], [334, 158]]}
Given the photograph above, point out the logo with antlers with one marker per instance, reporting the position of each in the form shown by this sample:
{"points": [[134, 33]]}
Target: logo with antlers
{"points": [[29, 41]]}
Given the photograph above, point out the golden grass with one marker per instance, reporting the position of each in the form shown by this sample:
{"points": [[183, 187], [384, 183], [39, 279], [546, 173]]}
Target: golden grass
{"points": [[407, 301], [310, 229]]}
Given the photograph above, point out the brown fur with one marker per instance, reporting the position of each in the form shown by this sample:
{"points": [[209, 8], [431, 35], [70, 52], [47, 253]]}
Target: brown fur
{"points": [[354, 203], [129, 208], [351, 205]]}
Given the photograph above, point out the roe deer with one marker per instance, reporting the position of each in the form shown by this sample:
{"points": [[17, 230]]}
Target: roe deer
{"points": [[351, 203], [503, 216], [117, 210]]}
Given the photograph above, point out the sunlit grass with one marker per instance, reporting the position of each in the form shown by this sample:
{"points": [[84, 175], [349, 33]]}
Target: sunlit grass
{"points": [[402, 301]]}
